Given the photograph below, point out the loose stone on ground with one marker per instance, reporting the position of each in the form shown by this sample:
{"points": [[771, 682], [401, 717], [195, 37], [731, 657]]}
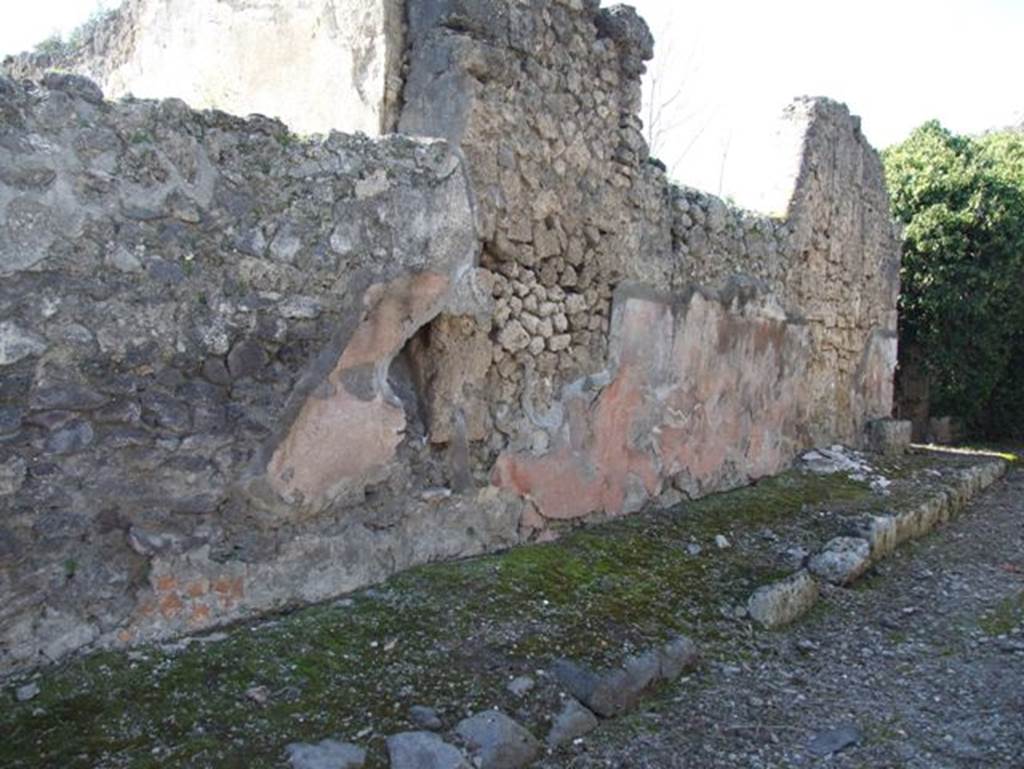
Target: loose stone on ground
{"points": [[573, 722], [329, 754], [498, 742], [423, 750]]}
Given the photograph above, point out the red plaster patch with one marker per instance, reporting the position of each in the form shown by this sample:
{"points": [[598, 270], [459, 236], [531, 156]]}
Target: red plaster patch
{"points": [[696, 394], [170, 606], [166, 583], [200, 614], [342, 438], [226, 585]]}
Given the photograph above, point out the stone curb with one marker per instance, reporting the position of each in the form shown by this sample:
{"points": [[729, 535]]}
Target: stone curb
{"points": [[491, 740], [843, 560]]}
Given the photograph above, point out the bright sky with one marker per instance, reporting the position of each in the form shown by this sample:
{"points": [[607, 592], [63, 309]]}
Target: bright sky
{"points": [[737, 63], [896, 63]]}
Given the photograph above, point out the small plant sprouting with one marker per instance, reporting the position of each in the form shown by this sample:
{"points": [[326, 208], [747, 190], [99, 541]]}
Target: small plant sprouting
{"points": [[286, 139], [70, 567]]}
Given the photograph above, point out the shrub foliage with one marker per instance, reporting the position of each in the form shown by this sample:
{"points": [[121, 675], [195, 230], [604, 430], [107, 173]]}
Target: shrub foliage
{"points": [[961, 201]]}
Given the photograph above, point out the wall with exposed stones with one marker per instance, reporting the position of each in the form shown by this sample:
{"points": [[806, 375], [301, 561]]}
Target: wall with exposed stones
{"points": [[241, 370], [543, 99], [178, 288]]}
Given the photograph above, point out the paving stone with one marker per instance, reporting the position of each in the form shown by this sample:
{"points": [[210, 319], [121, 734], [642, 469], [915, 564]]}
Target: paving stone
{"points": [[782, 602], [842, 560]]}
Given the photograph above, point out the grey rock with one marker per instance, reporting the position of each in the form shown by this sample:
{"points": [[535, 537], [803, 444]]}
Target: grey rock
{"points": [[76, 436], [124, 260], [16, 343], [497, 742], [329, 754], [71, 396], [10, 420], [246, 359], [166, 412], [834, 740], [423, 750], [216, 371], [123, 412], [12, 476], [27, 692], [622, 24], [573, 722], [842, 560], [425, 718], [286, 243], [29, 178], [794, 557], [613, 692], [677, 656], [303, 307], [585, 685], [147, 543], [520, 685], [642, 670], [76, 85], [160, 270], [514, 337]]}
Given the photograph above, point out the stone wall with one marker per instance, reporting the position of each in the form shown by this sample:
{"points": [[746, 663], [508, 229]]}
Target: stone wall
{"points": [[243, 370], [181, 292], [544, 100], [833, 259], [318, 65]]}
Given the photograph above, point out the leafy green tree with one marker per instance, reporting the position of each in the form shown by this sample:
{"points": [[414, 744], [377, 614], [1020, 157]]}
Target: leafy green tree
{"points": [[961, 201]]}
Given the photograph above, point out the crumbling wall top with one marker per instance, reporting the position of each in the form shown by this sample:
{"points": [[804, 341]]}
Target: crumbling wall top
{"points": [[318, 65]]}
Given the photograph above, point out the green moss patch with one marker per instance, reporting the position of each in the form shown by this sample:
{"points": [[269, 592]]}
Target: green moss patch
{"points": [[1008, 615], [447, 635]]}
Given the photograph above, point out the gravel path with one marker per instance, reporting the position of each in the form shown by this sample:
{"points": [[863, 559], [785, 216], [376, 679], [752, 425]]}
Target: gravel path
{"points": [[921, 666]]}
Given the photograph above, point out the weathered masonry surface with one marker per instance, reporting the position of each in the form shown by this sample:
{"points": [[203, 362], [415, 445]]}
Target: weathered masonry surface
{"points": [[317, 64], [241, 370]]}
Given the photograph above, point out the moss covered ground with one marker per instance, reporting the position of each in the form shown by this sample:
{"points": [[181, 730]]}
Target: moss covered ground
{"points": [[448, 636]]}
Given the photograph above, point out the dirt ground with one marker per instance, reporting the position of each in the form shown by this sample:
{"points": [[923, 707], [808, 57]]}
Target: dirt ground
{"points": [[922, 665]]}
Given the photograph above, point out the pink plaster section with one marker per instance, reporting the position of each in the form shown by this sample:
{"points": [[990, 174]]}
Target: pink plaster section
{"points": [[704, 393], [876, 383], [341, 440]]}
